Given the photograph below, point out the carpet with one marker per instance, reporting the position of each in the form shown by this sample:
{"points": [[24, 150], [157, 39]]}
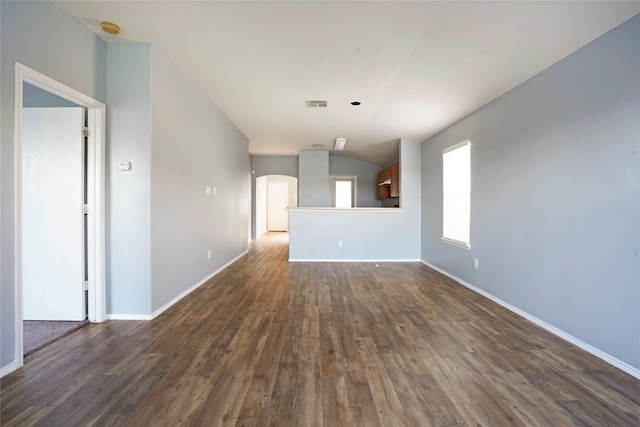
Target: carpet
{"points": [[38, 333]]}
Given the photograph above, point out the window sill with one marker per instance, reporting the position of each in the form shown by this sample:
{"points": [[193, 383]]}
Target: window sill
{"points": [[456, 243]]}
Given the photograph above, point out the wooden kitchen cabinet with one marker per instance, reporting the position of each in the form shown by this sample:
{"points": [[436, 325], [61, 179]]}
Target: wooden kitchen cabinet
{"points": [[394, 189], [389, 182], [384, 191]]}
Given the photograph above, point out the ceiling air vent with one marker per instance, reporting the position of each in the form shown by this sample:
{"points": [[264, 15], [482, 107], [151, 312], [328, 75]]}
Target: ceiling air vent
{"points": [[316, 104]]}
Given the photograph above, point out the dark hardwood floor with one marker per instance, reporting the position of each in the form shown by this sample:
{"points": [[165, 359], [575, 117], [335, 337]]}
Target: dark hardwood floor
{"points": [[267, 342]]}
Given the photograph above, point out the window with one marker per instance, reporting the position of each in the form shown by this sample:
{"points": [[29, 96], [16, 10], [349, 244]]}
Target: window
{"points": [[343, 194], [343, 190], [456, 190]]}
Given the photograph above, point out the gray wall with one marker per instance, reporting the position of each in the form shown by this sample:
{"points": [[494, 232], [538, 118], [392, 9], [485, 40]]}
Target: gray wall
{"points": [[274, 165], [367, 174], [555, 205], [143, 114], [35, 97], [269, 165], [367, 234], [128, 192], [65, 50], [313, 178], [194, 145], [260, 205]]}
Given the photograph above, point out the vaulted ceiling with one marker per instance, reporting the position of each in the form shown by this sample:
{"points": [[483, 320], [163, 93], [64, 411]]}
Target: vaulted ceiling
{"points": [[416, 67]]}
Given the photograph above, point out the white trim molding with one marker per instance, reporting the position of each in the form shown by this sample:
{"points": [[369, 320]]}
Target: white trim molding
{"points": [[96, 112], [165, 307], [544, 325], [7, 369], [352, 260], [158, 312], [124, 316], [456, 243]]}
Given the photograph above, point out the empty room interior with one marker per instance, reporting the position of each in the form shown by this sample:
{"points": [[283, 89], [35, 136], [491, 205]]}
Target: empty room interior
{"points": [[315, 213]]}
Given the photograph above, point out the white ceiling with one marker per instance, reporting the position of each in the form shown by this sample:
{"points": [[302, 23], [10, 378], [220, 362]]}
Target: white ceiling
{"points": [[416, 67]]}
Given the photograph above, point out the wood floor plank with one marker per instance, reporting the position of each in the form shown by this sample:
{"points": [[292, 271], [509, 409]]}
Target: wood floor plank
{"points": [[260, 390], [271, 343], [29, 417], [440, 408]]}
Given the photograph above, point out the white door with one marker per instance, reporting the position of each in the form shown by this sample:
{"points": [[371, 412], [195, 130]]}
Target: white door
{"points": [[52, 219], [277, 202]]}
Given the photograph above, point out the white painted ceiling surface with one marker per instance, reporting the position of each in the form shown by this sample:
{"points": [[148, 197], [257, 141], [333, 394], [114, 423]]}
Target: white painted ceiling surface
{"points": [[416, 67]]}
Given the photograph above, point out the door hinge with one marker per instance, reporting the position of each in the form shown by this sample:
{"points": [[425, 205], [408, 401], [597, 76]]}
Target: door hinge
{"points": [[85, 209], [85, 132], [85, 285]]}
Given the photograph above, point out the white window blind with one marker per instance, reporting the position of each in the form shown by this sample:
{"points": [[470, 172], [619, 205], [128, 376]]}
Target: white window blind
{"points": [[456, 190]]}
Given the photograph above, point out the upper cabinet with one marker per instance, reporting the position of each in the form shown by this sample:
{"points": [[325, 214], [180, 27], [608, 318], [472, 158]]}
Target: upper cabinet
{"points": [[384, 190], [389, 182], [395, 180]]}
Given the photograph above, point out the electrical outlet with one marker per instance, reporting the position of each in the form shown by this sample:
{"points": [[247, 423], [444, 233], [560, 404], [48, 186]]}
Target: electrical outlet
{"points": [[209, 254], [215, 191], [340, 243], [207, 190], [475, 263]]}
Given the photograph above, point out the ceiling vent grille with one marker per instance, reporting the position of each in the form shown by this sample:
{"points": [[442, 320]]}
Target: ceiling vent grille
{"points": [[316, 104]]}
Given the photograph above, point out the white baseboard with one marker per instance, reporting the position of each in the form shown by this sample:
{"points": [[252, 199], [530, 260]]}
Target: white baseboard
{"points": [[125, 316], [7, 369], [544, 325], [165, 307], [352, 260]]}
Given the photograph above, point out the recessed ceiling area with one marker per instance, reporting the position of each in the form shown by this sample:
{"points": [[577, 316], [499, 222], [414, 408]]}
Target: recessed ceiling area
{"points": [[415, 67]]}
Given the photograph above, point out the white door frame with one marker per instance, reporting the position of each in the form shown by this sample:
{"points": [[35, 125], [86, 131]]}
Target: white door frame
{"points": [[97, 307]]}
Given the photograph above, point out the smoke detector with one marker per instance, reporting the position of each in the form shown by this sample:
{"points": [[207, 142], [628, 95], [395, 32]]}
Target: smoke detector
{"points": [[110, 27]]}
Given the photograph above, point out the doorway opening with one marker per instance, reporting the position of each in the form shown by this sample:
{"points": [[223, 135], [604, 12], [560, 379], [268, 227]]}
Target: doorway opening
{"points": [[275, 194], [87, 231], [277, 205]]}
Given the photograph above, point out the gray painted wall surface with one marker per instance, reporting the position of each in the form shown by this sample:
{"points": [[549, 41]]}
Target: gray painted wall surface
{"points": [[128, 199], [194, 145], [269, 165], [260, 205], [274, 165], [35, 97], [313, 178], [366, 235], [367, 174], [65, 50], [381, 234], [555, 205]]}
